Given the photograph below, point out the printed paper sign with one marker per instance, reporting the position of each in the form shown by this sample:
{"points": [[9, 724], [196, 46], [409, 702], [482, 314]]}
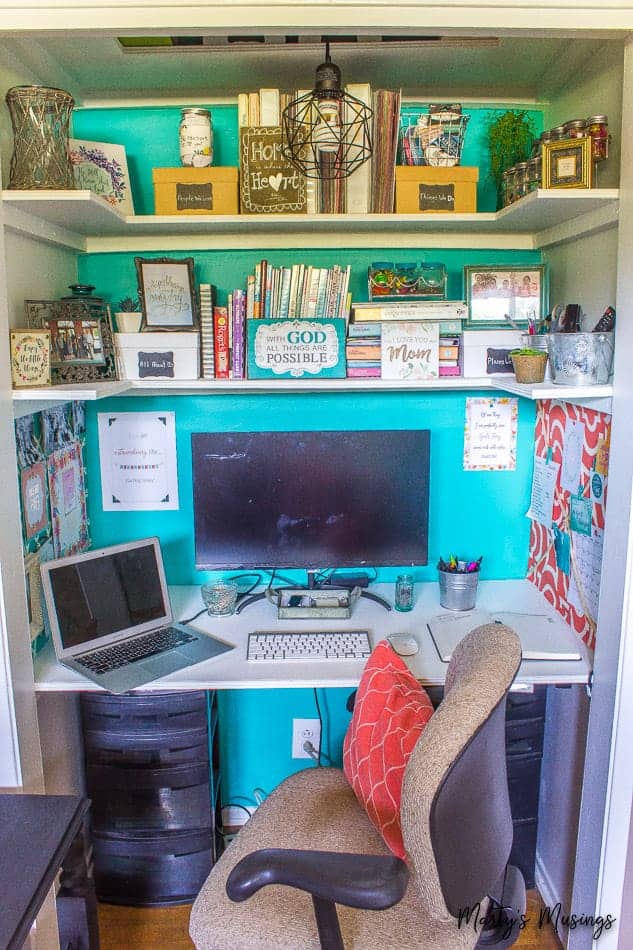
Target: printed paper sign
{"points": [[296, 348], [584, 582], [410, 350], [490, 434], [137, 452], [580, 515], [572, 456], [543, 487]]}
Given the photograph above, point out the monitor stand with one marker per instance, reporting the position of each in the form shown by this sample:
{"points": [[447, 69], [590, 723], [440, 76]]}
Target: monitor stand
{"points": [[311, 585]]}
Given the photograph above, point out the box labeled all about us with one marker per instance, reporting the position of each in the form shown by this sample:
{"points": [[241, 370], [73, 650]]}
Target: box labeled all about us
{"points": [[425, 189]]}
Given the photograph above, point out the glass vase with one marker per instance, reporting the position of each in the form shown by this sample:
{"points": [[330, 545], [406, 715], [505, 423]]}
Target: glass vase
{"points": [[40, 117]]}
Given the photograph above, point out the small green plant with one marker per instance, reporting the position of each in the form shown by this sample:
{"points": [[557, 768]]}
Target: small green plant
{"points": [[129, 305], [510, 138], [527, 351]]}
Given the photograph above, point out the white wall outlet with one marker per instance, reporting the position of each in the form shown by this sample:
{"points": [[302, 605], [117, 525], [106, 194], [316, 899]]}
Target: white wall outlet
{"points": [[305, 730]]}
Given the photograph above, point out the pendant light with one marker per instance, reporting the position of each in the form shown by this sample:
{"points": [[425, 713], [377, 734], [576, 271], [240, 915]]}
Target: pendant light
{"points": [[327, 132]]}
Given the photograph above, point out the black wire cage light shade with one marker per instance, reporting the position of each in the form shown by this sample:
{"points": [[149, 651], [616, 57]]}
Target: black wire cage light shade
{"points": [[327, 132]]}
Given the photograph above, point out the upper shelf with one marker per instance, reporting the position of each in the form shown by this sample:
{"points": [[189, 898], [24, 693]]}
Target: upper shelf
{"points": [[32, 400], [85, 222]]}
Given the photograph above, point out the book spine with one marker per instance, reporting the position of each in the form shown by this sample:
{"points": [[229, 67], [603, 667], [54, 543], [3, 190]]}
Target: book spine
{"points": [[239, 329], [206, 331], [269, 106], [363, 372], [242, 110], [221, 342]]}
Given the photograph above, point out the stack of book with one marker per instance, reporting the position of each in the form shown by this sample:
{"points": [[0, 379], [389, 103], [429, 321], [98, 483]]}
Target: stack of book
{"points": [[386, 127], [363, 350], [425, 310], [255, 109], [297, 291], [449, 354]]}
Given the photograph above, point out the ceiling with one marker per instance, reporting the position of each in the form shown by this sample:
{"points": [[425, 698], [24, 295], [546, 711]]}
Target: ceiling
{"points": [[95, 67]]}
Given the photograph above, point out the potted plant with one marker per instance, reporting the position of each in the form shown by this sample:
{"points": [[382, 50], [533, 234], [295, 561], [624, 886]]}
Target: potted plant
{"points": [[128, 315], [529, 365], [510, 138]]}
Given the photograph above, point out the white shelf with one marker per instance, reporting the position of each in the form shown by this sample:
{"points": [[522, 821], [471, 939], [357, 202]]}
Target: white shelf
{"points": [[32, 400], [87, 222]]}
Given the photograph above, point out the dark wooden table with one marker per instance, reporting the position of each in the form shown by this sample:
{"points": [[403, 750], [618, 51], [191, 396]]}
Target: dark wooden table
{"points": [[35, 834]]}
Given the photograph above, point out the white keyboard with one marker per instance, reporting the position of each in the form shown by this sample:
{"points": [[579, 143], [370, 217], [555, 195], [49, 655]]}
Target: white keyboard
{"points": [[271, 645]]}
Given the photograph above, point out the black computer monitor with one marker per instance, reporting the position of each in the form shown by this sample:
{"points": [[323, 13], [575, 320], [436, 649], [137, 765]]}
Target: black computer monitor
{"points": [[311, 500]]}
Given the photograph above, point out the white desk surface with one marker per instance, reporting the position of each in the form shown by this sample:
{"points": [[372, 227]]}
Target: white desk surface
{"points": [[232, 671]]}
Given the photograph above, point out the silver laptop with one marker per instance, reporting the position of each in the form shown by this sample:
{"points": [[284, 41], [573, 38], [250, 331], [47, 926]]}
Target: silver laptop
{"points": [[111, 619]]}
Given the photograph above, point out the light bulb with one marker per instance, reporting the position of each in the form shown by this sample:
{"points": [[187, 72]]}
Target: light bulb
{"points": [[327, 134]]}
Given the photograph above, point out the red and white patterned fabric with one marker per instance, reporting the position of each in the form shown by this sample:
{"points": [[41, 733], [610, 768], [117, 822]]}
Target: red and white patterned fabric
{"points": [[390, 712]]}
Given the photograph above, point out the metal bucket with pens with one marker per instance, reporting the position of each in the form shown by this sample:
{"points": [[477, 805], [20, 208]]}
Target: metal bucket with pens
{"points": [[458, 583]]}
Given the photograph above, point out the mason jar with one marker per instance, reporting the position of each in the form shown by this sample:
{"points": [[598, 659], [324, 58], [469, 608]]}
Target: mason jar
{"points": [[533, 175], [575, 129], [196, 138], [597, 127], [520, 183]]}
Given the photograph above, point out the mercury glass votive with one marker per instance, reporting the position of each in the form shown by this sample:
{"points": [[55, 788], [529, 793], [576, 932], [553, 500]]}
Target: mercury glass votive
{"points": [[220, 597]]}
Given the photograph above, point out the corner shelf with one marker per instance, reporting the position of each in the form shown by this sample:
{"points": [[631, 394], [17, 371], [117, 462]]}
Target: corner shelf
{"points": [[26, 401], [85, 222]]}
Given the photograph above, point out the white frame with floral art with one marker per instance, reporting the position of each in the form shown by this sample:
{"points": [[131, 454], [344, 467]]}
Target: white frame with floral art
{"points": [[101, 167]]}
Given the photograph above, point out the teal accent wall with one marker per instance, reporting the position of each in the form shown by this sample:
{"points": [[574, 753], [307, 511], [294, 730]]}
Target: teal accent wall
{"points": [[150, 137], [471, 512]]}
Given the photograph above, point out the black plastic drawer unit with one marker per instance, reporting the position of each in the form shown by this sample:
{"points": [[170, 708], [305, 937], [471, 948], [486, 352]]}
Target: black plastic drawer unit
{"points": [[149, 775]]}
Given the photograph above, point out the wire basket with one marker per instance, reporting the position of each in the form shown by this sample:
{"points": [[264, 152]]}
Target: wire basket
{"points": [[432, 138]]}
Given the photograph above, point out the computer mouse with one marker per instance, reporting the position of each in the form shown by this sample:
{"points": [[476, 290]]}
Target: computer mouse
{"points": [[404, 644]]}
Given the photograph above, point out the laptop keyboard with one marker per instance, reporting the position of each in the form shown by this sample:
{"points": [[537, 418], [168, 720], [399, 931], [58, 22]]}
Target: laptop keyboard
{"points": [[265, 645], [130, 651]]}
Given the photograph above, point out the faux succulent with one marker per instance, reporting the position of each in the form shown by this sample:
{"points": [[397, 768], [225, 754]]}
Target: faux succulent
{"points": [[128, 305]]}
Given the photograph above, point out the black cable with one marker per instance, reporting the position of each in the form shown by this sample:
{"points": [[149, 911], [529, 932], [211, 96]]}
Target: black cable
{"points": [[318, 709], [195, 616]]}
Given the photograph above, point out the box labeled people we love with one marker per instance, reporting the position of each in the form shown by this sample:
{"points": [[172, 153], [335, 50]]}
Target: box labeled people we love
{"points": [[191, 191]]}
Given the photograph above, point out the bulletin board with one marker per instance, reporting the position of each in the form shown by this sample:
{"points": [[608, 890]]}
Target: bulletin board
{"points": [[563, 563]]}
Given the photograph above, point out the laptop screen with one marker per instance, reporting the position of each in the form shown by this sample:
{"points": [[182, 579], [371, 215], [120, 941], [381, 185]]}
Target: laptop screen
{"points": [[117, 590]]}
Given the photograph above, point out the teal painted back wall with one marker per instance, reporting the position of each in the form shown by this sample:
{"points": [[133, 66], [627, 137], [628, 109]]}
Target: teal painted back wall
{"points": [[477, 513], [150, 137]]}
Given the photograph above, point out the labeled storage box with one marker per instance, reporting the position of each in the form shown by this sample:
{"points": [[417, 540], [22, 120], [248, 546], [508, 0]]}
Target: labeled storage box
{"points": [[212, 190], [425, 189], [157, 355], [487, 352]]}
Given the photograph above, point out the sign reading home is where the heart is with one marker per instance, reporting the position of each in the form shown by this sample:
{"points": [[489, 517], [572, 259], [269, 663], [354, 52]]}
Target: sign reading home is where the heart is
{"points": [[269, 184]]}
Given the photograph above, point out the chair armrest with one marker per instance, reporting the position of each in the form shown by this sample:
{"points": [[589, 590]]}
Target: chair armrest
{"points": [[366, 881]]}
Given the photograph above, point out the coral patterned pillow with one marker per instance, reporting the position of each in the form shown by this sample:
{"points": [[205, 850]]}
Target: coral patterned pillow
{"points": [[390, 712]]}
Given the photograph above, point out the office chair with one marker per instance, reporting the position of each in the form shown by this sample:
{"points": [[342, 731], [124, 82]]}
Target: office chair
{"points": [[312, 834]]}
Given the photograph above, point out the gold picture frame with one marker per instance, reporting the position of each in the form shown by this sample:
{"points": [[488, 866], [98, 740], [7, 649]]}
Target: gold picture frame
{"points": [[568, 164]]}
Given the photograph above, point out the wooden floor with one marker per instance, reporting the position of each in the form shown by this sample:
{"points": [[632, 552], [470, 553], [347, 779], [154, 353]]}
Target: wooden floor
{"points": [[165, 928]]}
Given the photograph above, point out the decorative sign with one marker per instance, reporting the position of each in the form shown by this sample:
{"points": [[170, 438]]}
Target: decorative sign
{"points": [[580, 510], [156, 364], [34, 497], [137, 453], [194, 197], [269, 184], [30, 357], [295, 348], [490, 435], [102, 168], [543, 487], [67, 495], [436, 197], [410, 350], [498, 361]]}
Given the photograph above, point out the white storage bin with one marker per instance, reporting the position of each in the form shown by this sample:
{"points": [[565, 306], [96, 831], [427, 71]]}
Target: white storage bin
{"points": [[485, 350], [170, 355]]}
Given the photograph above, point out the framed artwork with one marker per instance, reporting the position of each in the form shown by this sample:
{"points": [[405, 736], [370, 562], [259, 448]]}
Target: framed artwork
{"points": [[33, 583], [67, 494], [167, 293], [568, 164], [82, 346], [102, 168], [34, 500], [505, 295], [30, 358]]}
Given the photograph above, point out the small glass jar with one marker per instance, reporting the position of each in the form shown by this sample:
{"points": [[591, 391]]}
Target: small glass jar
{"points": [[544, 139], [575, 129], [196, 138], [533, 174], [404, 592], [520, 183], [558, 133], [510, 185], [505, 186], [597, 126]]}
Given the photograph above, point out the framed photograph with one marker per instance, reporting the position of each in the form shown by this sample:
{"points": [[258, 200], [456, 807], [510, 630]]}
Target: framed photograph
{"points": [[102, 168], [82, 346], [568, 164], [167, 293], [30, 358], [500, 296]]}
